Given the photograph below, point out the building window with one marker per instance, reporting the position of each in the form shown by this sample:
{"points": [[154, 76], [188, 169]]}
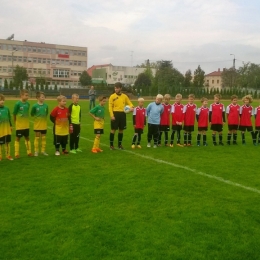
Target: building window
{"points": [[34, 71], [29, 71], [29, 49], [14, 58], [4, 58], [43, 50], [24, 48], [57, 61], [9, 69], [79, 63], [34, 49], [75, 63], [74, 53], [61, 73], [53, 51], [71, 62], [39, 50], [48, 61], [4, 69], [213, 81], [9, 58], [67, 63], [217, 81], [34, 60], [62, 62], [20, 59], [53, 61], [29, 59], [10, 47], [24, 59], [44, 61]]}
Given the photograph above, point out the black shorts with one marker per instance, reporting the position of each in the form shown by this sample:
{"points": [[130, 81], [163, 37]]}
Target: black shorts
{"points": [[217, 127], [43, 132], [245, 128], [232, 127], [139, 130], [98, 131], [119, 122], [23, 132], [257, 128], [188, 128], [202, 128], [176, 127], [153, 129], [60, 139], [5, 139], [164, 128]]}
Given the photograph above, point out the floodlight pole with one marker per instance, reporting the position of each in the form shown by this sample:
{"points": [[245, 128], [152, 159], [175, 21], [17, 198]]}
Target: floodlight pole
{"points": [[234, 61]]}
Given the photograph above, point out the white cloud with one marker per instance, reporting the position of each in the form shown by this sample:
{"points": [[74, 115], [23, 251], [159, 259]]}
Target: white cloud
{"points": [[178, 30]]}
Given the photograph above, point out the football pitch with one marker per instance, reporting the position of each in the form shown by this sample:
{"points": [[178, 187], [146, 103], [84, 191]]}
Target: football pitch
{"points": [[165, 203]]}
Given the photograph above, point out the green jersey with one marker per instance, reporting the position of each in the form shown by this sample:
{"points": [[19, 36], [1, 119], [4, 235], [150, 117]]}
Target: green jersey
{"points": [[98, 111], [40, 113], [5, 121], [21, 111]]}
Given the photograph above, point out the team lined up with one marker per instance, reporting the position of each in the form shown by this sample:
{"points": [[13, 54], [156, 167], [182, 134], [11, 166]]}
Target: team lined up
{"points": [[183, 118]]}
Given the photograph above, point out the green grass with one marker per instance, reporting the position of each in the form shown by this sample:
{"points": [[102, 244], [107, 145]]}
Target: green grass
{"points": [[120, 205]]}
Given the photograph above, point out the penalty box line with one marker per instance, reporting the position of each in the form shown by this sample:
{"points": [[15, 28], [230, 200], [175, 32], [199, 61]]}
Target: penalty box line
{"points": [[214, 177]]}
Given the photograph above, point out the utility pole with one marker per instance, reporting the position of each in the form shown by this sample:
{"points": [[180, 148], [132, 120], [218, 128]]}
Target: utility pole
{"points": [[234, 61]]}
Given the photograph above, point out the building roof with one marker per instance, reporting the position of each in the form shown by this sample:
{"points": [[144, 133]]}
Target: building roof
{"points": [[90, 70], [215, 73]]}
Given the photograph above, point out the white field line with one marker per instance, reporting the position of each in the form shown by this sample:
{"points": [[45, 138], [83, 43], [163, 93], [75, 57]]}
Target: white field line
{"points": [[220, 179], [214, 177]]}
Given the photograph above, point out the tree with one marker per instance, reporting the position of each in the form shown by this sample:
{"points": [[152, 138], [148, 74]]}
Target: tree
{"points": [[46, 86], [229, 77], [143, 82], [26, 85], [55, 87], [42, 87], [21, 85], [37, 86], [11, 85], [85, 79], [6, 84], [187, 79], [20, 75], [199, 75], [31, 86]]}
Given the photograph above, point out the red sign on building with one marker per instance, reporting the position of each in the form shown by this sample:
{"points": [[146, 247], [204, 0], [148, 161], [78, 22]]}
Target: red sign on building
{"points": [[64, 56]]}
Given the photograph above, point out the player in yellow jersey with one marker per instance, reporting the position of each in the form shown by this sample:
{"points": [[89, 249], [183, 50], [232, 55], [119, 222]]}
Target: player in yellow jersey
{"points": [[5, 129], [21, 120], [74, 121], [117, 102], [40, 112]]}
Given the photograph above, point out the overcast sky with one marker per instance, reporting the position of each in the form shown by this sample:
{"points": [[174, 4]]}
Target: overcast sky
{"points": [[188, 32]]}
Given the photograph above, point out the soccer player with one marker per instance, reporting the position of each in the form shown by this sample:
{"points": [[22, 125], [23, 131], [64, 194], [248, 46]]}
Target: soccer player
{"points": [[117, 102], [98, 113], [5, 129], [189, 112], [154, 111], [246, 111], [217, 119], [39, 112], [165, 120], [257, 123], [177, 119], [139, 122], [202, 115], [60, 117], [21, 120], [74, 121], [232, 112]]}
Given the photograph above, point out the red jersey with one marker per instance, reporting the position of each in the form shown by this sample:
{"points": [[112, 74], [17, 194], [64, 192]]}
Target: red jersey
{"points": [[61, 116], [189, 112], [177, 113], [165, 116], [257, 116], [217, 110], [245, 115], [232, 112], [139, 115], [203, 116]]}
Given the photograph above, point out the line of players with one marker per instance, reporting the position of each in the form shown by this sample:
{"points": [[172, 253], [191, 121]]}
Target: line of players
{"points": [[184, 116]]}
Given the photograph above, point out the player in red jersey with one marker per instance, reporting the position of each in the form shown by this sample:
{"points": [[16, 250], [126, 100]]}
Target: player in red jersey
{"points": [[246, 111], [257, 123], [60, 117], [232, 112], [217, 119], [165, 120], [202, 115], [139, 122], [189, 112], [177, 119]]}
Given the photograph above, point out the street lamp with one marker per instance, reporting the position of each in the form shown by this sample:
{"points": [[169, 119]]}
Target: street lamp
{"points": [[13, 63], [234, 61]]}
